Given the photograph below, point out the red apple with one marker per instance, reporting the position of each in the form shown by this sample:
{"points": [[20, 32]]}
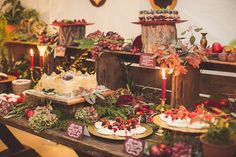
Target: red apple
{"points": [[217, 47]]}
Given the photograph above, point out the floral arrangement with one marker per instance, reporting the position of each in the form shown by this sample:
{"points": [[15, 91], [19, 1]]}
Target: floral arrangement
{"points": [[175, 58], [177, 54], [87, 114], [42, 118]]}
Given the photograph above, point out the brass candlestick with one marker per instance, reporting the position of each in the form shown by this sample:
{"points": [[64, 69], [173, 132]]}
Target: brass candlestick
{"points": [[36, 70], [160, 130]]}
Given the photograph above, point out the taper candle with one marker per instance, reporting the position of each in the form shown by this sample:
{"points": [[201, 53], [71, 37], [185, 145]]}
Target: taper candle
{"points": [[31, 51], [163, 89]]}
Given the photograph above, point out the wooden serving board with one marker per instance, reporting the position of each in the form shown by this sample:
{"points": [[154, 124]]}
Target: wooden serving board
{"points": [[162, 124], [93, 130], [63, 100]]}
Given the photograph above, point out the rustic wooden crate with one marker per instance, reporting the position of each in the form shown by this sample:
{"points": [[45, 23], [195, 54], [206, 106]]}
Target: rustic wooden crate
{"points": [[184, 88]]}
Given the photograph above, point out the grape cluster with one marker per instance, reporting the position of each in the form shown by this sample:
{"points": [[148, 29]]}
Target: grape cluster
{"points": [[95, 35], [181, 149], [45, 38], [111, 41]]}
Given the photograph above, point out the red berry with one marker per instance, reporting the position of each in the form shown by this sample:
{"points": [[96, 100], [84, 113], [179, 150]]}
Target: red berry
{"points": [[30, 113]]}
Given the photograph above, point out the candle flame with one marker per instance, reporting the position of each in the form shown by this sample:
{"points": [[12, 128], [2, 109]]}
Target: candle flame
{"points": [[31, 52], [42, 49], [163, 73]]}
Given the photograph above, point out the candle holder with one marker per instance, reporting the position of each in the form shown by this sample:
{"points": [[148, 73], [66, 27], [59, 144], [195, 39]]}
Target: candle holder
{"points": [[163, 98], [160, 131], [36, 71]]}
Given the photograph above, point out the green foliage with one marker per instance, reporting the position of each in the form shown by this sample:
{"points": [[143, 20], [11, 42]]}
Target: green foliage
{"points": [[222, 133], [3, 50], [30, 14], [43, 118], [191, 31], [12, 10], [17, 111], [85, 44], [109, 110]]}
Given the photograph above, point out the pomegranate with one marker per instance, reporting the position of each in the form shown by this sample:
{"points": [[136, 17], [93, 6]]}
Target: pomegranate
{"points": [[222, 56], [223, 102], [217, 47], [161, 150], [231, 57]]}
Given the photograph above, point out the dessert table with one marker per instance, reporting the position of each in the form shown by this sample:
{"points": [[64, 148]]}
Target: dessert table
{"points": [[88, 146]]}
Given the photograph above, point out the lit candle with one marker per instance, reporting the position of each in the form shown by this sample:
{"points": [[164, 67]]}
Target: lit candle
{"points": [[31, 58], [163, 89], [42, 50]]}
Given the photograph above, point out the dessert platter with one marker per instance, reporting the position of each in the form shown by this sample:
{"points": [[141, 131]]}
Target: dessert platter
{"points": [[119, 129], [68, 88], [74, 22], [185, 121], [154, 17]]}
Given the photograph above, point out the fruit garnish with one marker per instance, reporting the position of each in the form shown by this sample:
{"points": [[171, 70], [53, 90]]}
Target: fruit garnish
{"points": [[105, 123], [109, 127], [122, 127], [68, 77], [119, 120], [114, 129], [128, 128]]}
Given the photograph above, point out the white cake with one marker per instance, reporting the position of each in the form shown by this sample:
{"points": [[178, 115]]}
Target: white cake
{"points": [[67, 83]]}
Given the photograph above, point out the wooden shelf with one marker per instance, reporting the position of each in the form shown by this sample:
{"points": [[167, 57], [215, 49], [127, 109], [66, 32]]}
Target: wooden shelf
{"points": [[21, 42], [221, 62], [119, 53]]}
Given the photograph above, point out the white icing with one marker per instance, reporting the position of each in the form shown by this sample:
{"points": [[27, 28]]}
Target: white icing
{"points": [[123, 133], [105, 131], [138, 130], [198, 125], [98, 125], [165, 117]]}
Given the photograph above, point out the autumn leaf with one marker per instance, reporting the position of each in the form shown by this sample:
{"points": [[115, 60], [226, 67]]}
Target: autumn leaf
{"points": [[197, 29], [192, 40], [183, 33]]}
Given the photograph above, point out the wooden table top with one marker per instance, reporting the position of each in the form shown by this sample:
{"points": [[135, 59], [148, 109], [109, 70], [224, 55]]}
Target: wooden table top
{"points": [[91, 145]]}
